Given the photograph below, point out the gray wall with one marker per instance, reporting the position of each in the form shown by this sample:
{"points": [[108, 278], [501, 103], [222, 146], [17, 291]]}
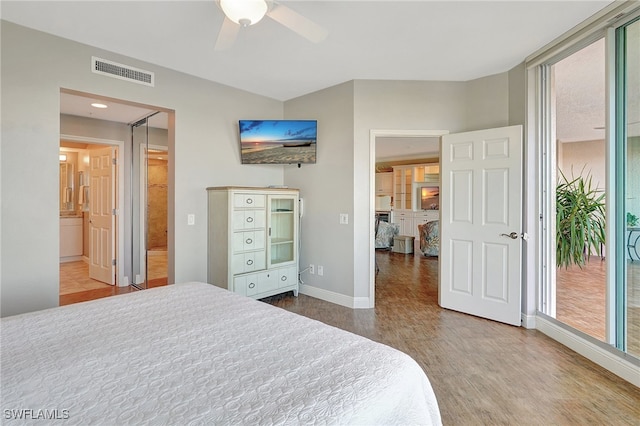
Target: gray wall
{"points": [[339, 183], [34, 67], [327, 188], [206, 154]]}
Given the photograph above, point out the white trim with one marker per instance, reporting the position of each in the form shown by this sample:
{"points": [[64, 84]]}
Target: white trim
{"points": [[610, 185], [574, 39], [532, 252], [70, 259], [528, 321], [373, 134], [120, 207], [604, 358], [337, 298]]}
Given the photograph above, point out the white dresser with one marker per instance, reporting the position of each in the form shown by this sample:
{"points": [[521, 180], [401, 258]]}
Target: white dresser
{"points": [[253, 240]]}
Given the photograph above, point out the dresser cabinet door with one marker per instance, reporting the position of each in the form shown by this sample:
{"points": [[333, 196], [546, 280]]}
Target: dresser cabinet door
{"points": [[287, 277]]}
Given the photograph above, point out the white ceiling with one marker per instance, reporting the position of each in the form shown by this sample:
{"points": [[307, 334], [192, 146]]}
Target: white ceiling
{"points": [[403, 148], [394, 40]]}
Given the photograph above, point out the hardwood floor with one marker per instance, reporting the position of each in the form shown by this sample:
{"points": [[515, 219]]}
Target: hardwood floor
{"points": [[581, 300], [482, 372]]}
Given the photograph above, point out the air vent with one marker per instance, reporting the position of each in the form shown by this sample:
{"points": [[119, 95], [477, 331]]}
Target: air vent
{"points": [[123, 72]]}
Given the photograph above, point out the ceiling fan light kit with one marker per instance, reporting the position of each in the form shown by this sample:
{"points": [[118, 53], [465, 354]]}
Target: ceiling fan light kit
{"points": [[244, 12]]}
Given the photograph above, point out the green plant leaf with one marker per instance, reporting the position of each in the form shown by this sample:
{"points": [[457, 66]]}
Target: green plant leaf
{"points": [[580, 220]]}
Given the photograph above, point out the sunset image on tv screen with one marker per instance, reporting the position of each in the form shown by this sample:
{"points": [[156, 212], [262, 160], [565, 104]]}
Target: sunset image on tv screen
{"points": [[278, 141]]}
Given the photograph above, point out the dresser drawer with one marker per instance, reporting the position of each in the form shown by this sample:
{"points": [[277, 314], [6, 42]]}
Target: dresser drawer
{"points": [[249, 200], [246, 285], [248, 262], [249, 219], [248, 240]]}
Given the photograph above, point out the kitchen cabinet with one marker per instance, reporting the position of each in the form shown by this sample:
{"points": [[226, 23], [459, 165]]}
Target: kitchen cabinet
{"points": [[403, 188], [384, 183]]}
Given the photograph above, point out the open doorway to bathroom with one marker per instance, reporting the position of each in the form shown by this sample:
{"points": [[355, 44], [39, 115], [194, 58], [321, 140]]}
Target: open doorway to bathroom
{"points": [[142, 190], [87, 263]]}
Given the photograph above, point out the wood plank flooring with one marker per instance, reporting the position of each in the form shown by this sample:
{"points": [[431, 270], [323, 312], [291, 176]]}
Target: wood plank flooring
{"points": [[581, 300], [483, 372]]}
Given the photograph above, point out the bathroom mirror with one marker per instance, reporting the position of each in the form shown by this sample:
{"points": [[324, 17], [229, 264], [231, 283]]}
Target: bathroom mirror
{"points": [[66, 188]]}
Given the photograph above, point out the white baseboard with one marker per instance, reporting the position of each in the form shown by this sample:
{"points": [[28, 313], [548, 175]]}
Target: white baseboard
{"points": [[600, 356], [337, 298], [528, 321], [70, 259]]}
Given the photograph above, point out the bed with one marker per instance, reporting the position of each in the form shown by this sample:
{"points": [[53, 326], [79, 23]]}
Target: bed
{"points": [[193, 353]]}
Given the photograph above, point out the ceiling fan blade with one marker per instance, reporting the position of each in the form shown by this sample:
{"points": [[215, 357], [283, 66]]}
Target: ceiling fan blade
{"points": [[297, 23], [227, 35]]}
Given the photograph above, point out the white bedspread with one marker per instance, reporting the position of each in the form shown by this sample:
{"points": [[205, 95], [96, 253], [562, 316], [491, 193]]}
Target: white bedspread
{"points": [[196, 354]]}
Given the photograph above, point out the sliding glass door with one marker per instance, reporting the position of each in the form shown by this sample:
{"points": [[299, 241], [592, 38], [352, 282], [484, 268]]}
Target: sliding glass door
{"points": [[627, 304], [590, 171]]}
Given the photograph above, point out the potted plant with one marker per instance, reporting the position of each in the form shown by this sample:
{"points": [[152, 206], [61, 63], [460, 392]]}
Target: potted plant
{"points": [[632, 220], [580, 220]]}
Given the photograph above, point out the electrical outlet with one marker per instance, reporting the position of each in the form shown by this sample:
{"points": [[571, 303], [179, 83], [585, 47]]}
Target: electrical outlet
{"points": [[320, 270], [344, 218], [312, 269], [191, 219]]}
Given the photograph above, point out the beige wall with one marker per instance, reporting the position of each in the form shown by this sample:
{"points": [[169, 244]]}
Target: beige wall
{"points": [[585, 158]]}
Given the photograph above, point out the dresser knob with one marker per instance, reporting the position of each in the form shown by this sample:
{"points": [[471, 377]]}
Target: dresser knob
{"points": [[249, 241], [252, 285], [250, 262], [249, 219], [249, 200], [283, 278]]}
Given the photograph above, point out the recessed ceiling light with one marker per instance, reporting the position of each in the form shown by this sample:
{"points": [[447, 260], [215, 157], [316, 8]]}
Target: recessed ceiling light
{"points": [[98, 105]]}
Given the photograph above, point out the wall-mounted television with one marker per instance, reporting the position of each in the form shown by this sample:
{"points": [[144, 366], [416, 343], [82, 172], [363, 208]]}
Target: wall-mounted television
{"points": [[278, 141], [430, 197]]}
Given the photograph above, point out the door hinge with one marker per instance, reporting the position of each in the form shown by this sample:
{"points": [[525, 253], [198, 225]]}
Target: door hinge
{"points": [[114, 161], [115, 212], [113, 262]]}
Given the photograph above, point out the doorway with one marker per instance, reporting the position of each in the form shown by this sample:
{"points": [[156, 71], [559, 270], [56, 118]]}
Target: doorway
{"points": [[75, 218], [389, 148], [86, 126]]}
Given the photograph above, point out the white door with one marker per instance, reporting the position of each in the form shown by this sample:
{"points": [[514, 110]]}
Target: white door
{"points": [[101, 215], [481, 223]]}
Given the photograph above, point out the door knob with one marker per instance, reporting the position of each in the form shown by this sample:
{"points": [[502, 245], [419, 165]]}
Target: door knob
{"points": [[513, 235]]}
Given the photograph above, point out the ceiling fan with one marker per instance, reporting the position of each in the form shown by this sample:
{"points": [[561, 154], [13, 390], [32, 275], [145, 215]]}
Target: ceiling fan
{"points": [[243, 13]]}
